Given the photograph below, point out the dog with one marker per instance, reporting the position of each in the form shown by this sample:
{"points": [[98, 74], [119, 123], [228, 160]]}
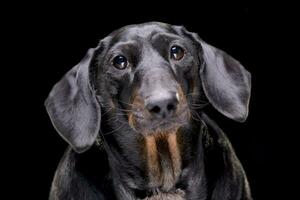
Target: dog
{"points": [[132, 112]]}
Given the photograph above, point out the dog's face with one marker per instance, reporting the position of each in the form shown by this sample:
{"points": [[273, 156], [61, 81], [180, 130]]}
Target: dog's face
{"points": [[153, 77]]}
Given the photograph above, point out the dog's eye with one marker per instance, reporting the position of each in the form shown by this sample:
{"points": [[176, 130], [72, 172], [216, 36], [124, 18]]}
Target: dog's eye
{"points": [[177, 52], [120, 62]]}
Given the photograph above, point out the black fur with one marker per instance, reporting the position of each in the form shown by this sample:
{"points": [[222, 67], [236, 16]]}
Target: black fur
{"points": [[94, 99]]}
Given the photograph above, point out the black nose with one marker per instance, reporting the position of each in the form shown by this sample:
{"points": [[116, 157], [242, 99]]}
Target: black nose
{"points": [[162, 106]]}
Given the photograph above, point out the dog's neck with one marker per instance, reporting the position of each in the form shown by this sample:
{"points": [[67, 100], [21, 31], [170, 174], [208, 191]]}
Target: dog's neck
{"points": [[156, 156], [153, 162]]}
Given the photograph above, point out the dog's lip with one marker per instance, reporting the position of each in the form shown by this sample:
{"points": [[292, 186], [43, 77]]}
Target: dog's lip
{"points": [[143, 122], [162, 124], [165, 126], [139, 115], [183, 112]]}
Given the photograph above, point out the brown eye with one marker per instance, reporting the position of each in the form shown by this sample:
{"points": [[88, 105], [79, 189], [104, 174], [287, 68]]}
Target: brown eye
{"points": [[120, 62], [177, 52]]}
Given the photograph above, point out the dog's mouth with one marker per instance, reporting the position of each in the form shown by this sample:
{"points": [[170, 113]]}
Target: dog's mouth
{"points": [[146, 125]]}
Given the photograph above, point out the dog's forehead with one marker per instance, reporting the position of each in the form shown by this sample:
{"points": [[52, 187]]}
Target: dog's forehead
{"points": [[141, 31]]}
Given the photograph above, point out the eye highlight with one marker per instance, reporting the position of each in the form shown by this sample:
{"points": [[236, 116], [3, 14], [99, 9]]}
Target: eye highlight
{"points": [[177, 52], [120, 62]]}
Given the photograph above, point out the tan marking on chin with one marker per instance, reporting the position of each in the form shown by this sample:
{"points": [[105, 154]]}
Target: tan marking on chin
{"points": [[152, 162], [163, 173], [174, 154]]}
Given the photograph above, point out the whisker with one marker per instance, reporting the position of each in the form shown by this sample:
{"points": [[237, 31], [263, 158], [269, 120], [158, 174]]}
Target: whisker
{"points": [[126, 110], [115, 130], [107, 111], [130, 104], [192, 93], [201, 105], [112, 119], [196, 116], [120, 114]]}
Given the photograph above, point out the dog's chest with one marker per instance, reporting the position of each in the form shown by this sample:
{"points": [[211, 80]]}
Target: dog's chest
{"points": [[163, 163]]}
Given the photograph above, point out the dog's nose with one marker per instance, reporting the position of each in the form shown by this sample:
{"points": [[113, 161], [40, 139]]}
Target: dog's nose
{"points": [[163, 106]]}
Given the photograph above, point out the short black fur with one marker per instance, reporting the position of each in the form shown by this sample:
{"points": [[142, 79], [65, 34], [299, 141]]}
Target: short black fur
{"points": [[97, 102]]}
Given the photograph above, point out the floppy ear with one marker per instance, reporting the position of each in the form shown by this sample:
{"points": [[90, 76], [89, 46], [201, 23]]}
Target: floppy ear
{"points": [[226, 83], [73, 107]]}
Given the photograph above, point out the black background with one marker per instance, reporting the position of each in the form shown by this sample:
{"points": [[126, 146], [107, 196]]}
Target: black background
{"points": [[48, 39]]}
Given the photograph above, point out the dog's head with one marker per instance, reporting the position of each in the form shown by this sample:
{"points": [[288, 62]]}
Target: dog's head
{"points": [[153, 76]]}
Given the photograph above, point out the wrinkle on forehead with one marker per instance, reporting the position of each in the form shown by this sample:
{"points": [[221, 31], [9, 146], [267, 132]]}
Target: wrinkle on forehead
{"points": [[142, 31], [128, 44]]}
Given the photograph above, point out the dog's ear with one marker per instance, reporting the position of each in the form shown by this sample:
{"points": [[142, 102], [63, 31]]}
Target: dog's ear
{"points": [[226, 83], [73, 107]]}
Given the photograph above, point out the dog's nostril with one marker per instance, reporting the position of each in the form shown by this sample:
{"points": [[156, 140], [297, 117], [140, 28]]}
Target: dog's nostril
{"points": [[155, 109], [171, 107]]}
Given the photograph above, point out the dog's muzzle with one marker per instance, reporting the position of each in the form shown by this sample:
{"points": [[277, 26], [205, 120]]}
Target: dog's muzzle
{"points": [[163, 110]]}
